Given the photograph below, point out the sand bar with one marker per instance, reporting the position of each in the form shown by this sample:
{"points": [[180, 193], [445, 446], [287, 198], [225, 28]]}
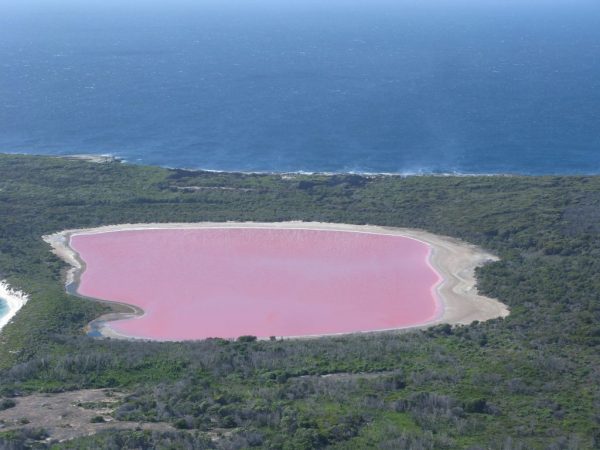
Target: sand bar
{"points": [[454, 260], [15, 301]]}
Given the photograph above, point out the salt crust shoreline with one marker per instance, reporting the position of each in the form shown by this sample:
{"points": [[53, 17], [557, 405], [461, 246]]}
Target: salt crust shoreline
{"points": [[14, 299], [454, 260]]}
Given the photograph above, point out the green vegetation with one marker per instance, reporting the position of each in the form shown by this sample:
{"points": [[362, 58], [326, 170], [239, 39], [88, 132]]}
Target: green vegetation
{"points": [[7, 403], [531, 380]]}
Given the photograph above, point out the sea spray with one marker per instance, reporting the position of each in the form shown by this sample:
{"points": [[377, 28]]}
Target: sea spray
{"points": [[14, 300]]}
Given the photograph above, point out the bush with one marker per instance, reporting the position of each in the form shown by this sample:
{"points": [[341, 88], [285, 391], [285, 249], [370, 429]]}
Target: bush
{"points": [[181, 424], [476, 406], [7, 403]]}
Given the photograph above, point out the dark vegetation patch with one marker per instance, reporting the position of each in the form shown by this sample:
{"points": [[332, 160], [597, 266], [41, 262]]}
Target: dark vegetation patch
{"points": [[528, 381]]}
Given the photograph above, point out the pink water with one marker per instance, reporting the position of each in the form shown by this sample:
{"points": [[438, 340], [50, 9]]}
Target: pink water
{"points": [[200, 283]]}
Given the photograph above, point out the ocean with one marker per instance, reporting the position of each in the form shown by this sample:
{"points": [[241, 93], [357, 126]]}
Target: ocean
{"points": [[406, 86], [3, 308]]}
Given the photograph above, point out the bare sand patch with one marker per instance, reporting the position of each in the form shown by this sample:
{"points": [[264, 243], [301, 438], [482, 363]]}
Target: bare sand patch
{"points": [[68, 415]]}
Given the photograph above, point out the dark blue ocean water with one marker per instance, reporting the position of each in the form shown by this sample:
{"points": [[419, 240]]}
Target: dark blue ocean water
{"points": [[482, 86]]}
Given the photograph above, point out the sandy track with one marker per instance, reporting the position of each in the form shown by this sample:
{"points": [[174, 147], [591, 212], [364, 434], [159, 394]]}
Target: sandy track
{"points": [[453, 259]]}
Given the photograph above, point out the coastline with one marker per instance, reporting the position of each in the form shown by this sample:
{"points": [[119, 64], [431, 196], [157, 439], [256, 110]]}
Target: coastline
{"points": [[367, 173], [15, 301], [458, 301]]}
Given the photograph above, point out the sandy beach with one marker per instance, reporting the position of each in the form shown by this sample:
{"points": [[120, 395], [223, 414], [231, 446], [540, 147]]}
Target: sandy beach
{"points": [[14, 299], [453, 259]]}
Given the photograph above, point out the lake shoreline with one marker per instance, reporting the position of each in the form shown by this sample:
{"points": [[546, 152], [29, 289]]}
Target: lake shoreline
{"points": [[454, 260]]}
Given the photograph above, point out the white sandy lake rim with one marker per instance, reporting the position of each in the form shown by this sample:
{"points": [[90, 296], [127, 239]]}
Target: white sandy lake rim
{"points": [[454, 260]]}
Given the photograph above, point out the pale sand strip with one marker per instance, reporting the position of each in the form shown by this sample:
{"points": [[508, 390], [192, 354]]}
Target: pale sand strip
{"points": [[454, 260], [14, 299]]}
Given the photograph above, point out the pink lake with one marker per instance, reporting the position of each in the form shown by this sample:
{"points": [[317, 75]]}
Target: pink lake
{"points": [[229, 282]]}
